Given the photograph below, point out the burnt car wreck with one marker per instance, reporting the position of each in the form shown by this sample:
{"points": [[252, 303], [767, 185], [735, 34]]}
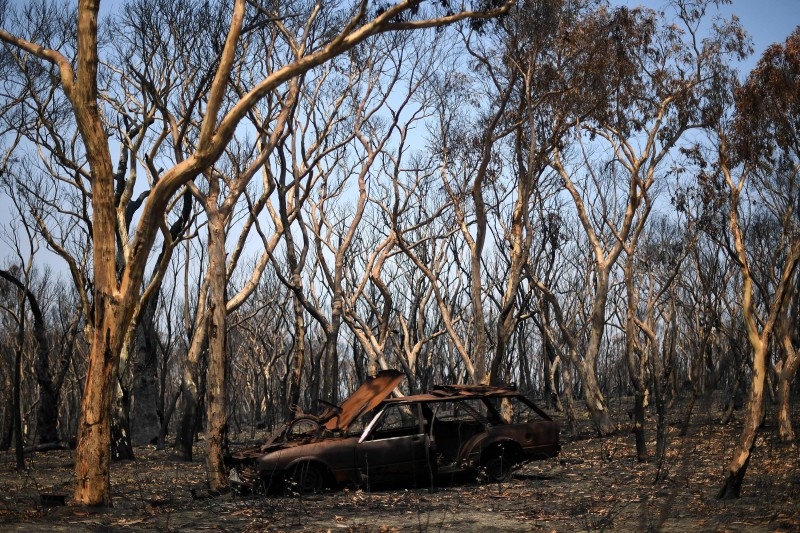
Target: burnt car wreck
{"points": [[371, 439]]}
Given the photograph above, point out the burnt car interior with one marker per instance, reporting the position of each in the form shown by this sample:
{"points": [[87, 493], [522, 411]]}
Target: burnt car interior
{"points": [[452, 424]]}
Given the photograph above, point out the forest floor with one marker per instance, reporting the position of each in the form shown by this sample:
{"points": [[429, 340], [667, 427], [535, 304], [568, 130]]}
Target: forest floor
{"points": [[596, 484]]}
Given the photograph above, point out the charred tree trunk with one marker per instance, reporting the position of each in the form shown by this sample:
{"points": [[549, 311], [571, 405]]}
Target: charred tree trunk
{"points": [[296, 372], [121, 447], [330, 377], [735, 400], [184, 438], [189, 391], [786, 376], [697, 369], [635, 358], [551, 359], [662, 377], [551, 376], [8, 409], [18, 430], [168, 412], [145, 389]]}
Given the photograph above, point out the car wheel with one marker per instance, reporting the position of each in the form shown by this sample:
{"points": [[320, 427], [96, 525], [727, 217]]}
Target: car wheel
{"points": [[498, 468], [308, 478]]}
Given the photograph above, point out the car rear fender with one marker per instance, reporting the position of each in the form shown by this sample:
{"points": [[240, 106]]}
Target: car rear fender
{"points": [[509, 448], [480, 448]]}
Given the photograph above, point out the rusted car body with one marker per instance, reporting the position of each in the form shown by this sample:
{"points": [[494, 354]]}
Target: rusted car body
{"points": [[372, 440]]}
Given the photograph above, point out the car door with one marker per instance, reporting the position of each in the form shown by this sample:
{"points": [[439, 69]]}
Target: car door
{"points": [[394, 447]]}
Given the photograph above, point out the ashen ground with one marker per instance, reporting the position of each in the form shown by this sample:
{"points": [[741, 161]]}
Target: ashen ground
{"points": [[596, 484]]}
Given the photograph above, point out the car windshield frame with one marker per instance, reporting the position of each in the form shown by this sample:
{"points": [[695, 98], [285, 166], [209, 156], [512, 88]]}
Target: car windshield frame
{"points": [[376, 420]]}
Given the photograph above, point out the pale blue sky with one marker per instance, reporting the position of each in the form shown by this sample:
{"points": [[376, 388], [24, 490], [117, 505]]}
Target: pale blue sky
{"points": [[767, 21]]}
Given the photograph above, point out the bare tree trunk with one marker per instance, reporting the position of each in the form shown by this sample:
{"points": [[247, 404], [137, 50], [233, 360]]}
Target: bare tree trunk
{"points": [[217, 392], [184, 438], [786, 374], [736, 391], [296, 372], [92, 454], [47, 411], [189, 392], [595, 402], [755, 412], [660, 380], [759, 340], [476, 295], [697, 369], [121, 446], [662, 376], [169, 410], [551, 363], [566, 380]]}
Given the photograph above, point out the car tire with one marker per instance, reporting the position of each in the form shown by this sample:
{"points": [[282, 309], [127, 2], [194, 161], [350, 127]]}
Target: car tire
{"points": [[499, 468], [308, 478]]}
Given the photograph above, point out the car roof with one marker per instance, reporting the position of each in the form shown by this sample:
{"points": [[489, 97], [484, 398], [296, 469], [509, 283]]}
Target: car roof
{"points": [[454, 393]]}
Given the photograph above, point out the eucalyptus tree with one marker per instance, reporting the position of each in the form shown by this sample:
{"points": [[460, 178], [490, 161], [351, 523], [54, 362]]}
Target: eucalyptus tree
{"points": [[306, 166], [59, 192], [169, 337], [758, 154], [544, 267], [76, 67], [660, 82], [768, 108], [468, 162], [219, 194], [551, 77], [340, 133]]}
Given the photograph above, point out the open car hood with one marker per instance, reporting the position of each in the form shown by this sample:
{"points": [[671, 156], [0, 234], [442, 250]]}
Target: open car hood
{"points": [[372, 392]]}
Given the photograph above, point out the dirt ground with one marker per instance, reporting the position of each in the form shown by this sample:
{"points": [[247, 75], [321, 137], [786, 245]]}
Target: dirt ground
{"points": [[596, 484]]}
